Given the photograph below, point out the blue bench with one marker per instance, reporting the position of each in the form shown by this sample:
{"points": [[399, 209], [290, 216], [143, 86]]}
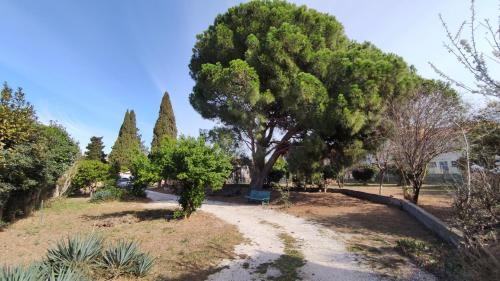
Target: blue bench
{"points": [[257, 195]]}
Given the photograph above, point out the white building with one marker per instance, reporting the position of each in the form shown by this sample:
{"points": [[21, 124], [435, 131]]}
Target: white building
{"points": [[446, 163]]}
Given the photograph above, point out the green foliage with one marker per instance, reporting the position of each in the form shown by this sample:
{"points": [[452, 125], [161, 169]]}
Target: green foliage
{"points": [[125, 258], [225, 138], [363, 174], [484, 136], [95, 150], [144, 171], [272, 71], [18, 118], [165, 124], [195, 165], [128, 144], [305, 159], [30, 170], [89, 173], [107, 194], [280, 170]]}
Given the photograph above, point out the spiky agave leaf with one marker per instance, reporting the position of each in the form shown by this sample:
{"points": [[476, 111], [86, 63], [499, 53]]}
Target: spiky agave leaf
{"points": [[30, 273], [75, 251], [142, 264], [66, 274], [120, 258]]}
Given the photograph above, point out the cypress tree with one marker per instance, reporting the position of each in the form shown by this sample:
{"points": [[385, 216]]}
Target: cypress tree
{"points": [[127, 145], [165, 124], [95, 150]]}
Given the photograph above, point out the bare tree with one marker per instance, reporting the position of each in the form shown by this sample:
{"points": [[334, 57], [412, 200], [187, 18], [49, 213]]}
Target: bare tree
{"points": [[465, 47], [382, 159], [423, 128]]}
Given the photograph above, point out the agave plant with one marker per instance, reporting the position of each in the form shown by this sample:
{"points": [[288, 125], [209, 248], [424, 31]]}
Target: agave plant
{"points": [[142, 264], [125, 257], [19, 274], [75, 251], [66, 274]]}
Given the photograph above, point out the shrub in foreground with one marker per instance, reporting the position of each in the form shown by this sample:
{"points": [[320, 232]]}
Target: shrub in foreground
{"points": [[195, 165]]}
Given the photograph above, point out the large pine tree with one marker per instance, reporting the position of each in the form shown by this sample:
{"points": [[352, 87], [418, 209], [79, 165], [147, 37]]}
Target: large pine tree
{"points": [[95, 150], [128, 144], [165, 124]]}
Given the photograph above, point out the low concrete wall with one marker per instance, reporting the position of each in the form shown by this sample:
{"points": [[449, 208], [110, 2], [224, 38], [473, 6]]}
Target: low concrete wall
{"points": [[425, 218]]}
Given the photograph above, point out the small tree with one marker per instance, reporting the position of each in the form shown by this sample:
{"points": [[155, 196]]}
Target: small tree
{"points": [[423, 128], [95, 150], [89, 174], [165, 124], [144, 173], [382, 160], [196, 166], [128, 144]]}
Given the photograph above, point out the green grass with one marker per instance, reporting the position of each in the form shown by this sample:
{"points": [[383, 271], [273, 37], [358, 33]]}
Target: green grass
{"points": [[64, 204], [288, 264]]}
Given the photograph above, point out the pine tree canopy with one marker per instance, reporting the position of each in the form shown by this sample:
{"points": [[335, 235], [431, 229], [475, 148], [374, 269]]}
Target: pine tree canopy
{"points": [[128, 144], [95, 150], [165, 124], [271, 71]]}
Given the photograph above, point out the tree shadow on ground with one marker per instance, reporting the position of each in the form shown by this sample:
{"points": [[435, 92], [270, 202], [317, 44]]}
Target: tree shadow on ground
{"points": [[339, 211], [141, 215], [261, 271]]}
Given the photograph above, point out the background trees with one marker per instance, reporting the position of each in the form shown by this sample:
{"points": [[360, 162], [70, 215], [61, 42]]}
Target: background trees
{"points": [[95, 150], [165, 124], [127, 145], [32, 156], [270, 71], [17, 115]]}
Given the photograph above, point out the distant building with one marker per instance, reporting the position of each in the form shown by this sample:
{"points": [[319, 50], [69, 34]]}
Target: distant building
{"points": [[446, 163]]}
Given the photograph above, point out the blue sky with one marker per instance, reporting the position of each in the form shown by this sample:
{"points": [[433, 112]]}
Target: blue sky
{"points": [[83, 63]]}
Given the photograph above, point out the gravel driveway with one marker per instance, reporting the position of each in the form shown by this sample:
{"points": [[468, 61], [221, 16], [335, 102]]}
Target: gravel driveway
{"points": [[326, 257]]}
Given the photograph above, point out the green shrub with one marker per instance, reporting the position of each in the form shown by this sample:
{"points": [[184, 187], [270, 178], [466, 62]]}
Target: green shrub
{"points": [[107, 194], [125, 258], [195, 165], [411, 246], [363, 174], [137, 191]]}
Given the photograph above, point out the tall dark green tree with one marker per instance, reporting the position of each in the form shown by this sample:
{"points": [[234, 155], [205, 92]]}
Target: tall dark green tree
{"points": [[165, 124], [272, 71], [95, 150], [128, 144]]}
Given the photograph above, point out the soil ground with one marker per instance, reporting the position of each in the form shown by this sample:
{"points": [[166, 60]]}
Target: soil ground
{"points": [[289, 247], [184, 250]]}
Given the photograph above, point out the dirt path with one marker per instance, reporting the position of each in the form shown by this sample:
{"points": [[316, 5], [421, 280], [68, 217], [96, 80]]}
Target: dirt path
{"points": [[279, 242]]}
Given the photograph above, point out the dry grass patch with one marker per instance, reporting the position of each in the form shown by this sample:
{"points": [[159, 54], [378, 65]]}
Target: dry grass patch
{"points": [[184, 249]]}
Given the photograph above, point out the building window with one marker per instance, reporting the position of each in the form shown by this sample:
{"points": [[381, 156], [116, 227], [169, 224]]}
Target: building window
{"points": [[454, 164], [443, 165], [432, 165]]}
